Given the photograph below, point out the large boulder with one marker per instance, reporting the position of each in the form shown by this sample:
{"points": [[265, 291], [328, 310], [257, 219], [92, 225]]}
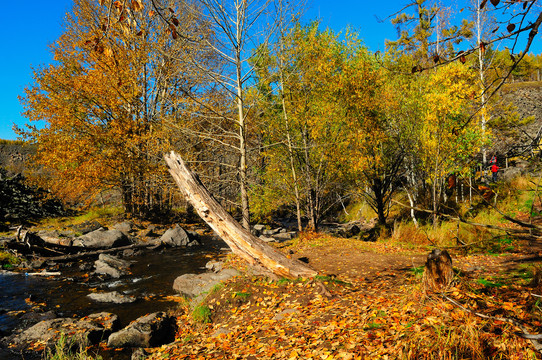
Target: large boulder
{"points": [[111, 265], [177, 236], [84, 331], [191, 285], [151, 330], [102, 239]]}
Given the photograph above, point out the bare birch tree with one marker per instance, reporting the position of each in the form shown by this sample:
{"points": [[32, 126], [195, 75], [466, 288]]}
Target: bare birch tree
{"points": [[241, 28]]}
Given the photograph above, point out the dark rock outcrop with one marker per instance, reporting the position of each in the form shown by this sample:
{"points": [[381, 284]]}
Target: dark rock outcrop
{"points": [[20, 202]]}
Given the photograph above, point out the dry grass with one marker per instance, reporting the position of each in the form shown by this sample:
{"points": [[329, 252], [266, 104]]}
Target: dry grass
{"points": [[521, 85]]}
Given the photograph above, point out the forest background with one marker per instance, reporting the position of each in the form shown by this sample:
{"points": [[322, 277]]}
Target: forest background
{"points": [[275, 116]]}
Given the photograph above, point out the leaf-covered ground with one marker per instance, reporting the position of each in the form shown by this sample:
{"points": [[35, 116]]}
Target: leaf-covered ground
{"points": [[371, 306]]}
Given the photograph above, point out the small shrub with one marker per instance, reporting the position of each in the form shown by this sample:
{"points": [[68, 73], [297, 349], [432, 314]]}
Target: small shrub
{"points": [[202, 314], [7, 260]]}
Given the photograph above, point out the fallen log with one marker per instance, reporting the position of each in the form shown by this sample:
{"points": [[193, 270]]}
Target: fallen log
{"points": [[31, 249], [44, 273], [252, 249]]}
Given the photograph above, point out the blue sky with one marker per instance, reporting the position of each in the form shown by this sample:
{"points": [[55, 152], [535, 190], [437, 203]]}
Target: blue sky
{"points": [[29, 26]]}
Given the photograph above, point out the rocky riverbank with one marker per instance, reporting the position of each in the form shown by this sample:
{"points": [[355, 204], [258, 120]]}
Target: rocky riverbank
{"points": [[70, 293]]}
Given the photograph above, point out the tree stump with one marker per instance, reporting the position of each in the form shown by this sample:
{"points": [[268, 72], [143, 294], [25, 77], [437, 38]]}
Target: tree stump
{"points": [[438, 273]]}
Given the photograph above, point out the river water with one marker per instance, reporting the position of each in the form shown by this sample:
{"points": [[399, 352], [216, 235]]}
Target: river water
{"points": [[150, 281]]}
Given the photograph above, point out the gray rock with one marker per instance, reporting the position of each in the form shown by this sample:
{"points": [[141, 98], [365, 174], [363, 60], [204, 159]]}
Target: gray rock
{"points": [[54, 237], [112, 297], [148, 331], [267, 238], [351, 230], [49, 233], [149, 232], [257, 229], [88, 330], [128, 252], [214, 265], [114, 261], [270, 232], [194, 243], [102, 238], [31, 318], [104, 268], [175, 237], [509, 174], [284, 236], [191, 285], [126, 227], [111, 265], [37, 264]]}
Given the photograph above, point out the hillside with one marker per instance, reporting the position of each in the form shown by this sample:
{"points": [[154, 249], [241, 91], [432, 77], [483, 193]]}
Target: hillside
{"points": [[523, 134], [14, 155]]}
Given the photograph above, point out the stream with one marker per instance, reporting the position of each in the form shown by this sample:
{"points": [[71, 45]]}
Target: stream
{"points": [[150, 281]]}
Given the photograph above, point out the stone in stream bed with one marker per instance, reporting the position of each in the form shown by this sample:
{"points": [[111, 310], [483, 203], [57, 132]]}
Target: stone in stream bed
{"points": [[111, 265], [177, 236], [112, 297]]}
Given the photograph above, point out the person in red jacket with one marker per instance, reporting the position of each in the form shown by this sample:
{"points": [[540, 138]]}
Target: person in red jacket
{"points": [[494, 171]]}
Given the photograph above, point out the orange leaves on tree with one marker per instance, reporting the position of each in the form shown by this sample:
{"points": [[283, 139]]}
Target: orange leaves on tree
{"points": [[118, 5], [137, 5], [98, 134]]}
